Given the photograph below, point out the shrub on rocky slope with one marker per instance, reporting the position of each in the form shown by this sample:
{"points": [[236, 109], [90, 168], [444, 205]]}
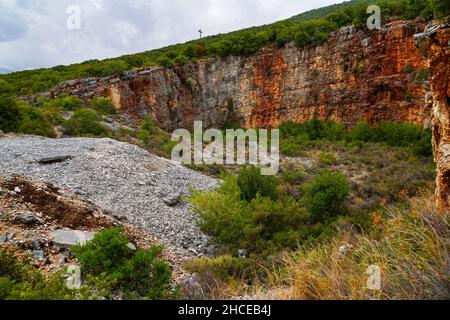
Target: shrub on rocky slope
{"points": [[408, 249]]}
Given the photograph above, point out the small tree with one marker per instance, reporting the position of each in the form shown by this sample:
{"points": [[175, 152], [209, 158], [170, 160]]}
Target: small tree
{"points": [[252, 183], [10, 115], [325, 197], [86, 122], [108, 256], [103, 106]]}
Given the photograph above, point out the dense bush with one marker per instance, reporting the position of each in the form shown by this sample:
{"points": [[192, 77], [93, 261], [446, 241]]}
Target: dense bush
{"points": [[140, 272], [261, 226], [395, 135], [148, 128], [19, 280], [103, 106], [10, 115], [327, 158], [252, 184], [296, 136], [223, 267], [36, 122], [85, 122], [326, 196], [148, 125]]}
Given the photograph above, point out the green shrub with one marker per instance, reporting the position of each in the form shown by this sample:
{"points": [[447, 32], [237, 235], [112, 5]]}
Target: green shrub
{"points": [[326, 196], [103, 106], [252, 184], [423, 75], [68, 103], [5, 88], [148, 124], [313, 130], [19, 280], [361, 132], [293, 176], [146, 274], [165, 62], [294, 146], [36, 122], [394, 134], [10, 115], [327, 158], [261, 226], [108, 256], [408, 69], [424, 147], [144, 136], [223, 267], [85, 122], [440, 8]]}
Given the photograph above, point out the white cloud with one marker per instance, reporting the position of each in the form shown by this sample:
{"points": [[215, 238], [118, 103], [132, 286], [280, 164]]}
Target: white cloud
{"points": [[33, 33]]}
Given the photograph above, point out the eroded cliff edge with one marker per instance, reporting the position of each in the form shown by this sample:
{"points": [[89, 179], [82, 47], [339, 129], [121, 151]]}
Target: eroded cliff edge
{"points": [[434, 43], [358, 74]]}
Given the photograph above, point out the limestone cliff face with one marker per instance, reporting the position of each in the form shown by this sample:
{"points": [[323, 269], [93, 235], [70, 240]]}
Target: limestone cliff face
{"points": [[357, 74], [434, 43]]}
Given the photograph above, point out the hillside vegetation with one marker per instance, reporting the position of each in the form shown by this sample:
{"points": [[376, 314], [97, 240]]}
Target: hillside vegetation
{"points": [[407, 245], [337, 191], [309, 28], [343, 202]]}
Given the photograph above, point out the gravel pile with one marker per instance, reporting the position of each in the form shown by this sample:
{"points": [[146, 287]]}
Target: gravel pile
{"points": [[118, 177]]}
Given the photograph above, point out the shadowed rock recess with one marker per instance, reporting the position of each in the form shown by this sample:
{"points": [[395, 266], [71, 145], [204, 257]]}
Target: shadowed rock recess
{"points": [[434, 43], [357, 74]]}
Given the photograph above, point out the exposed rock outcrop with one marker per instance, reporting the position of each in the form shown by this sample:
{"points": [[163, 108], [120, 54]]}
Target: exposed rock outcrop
{"points": [[434, 43], [357, 74]]}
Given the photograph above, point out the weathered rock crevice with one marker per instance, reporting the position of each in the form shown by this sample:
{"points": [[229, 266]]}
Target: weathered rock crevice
{"points": [[357, 74], [434, 43]]}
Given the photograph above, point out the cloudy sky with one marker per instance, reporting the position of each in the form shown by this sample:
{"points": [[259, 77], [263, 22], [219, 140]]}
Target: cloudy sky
{"points": [[44, 33]]}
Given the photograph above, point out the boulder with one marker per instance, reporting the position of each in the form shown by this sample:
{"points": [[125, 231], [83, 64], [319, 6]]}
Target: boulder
{"points": [[243, 253], [53, 160], [38, 255], [172, 201], [131, 246], [68, 238], [26, 218]]}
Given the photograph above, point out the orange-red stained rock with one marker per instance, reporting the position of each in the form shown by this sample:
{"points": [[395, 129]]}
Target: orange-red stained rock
{"points": [[358, 74]]}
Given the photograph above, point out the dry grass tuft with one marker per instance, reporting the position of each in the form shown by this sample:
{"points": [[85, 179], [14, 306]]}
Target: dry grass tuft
{"points": [[411, 248]]}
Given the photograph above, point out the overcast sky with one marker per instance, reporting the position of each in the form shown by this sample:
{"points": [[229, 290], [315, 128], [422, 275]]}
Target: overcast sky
{"points": [[44, 33]]}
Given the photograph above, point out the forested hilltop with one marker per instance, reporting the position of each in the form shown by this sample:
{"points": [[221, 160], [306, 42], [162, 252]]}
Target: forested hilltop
{"points": [[309, 28]]}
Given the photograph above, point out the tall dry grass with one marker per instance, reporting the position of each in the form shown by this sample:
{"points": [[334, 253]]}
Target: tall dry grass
{"points": [[411, 248], [409, 245]]}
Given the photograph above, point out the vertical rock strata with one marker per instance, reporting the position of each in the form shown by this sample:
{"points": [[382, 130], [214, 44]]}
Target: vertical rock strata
{"points": [[434, 43]]}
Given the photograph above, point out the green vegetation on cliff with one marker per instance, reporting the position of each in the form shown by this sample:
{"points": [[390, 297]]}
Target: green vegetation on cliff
{"points": [[309, 28]]}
